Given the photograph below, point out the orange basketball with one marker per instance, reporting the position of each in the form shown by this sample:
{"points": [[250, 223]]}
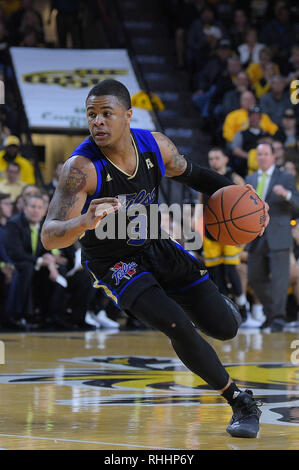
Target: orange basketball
{"points": [[234, 215]]}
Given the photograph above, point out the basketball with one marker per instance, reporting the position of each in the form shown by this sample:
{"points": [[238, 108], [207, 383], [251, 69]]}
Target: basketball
{"points": [[234, 215]]}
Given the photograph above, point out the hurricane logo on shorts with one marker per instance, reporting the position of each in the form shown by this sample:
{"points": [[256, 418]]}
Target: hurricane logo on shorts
{"points": [[123, 270]]}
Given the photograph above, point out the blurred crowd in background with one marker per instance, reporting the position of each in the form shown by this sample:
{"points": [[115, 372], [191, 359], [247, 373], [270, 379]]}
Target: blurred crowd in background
{"points": [[243, 67]]}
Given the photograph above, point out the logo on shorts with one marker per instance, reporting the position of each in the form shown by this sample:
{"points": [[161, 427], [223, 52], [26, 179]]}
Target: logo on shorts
{"points": [[123, 270]]}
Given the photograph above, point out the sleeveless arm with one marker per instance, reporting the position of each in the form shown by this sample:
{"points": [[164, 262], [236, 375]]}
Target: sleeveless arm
{"points": [[64, 223], [185, 171]]}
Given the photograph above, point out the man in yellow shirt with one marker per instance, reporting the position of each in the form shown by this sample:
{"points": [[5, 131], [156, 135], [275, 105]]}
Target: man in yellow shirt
{"points": [[12, 184], [10, 153], [238, 120]]}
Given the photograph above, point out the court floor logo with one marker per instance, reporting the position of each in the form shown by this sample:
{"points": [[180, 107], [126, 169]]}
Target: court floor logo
{"points": [[163, 381]]}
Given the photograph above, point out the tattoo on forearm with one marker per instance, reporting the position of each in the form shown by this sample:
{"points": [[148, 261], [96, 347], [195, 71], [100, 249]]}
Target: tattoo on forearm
{"points": [[70, 186]]}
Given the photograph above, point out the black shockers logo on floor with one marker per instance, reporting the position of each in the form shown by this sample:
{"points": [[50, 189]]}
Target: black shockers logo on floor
{"points": [[163, 381]]}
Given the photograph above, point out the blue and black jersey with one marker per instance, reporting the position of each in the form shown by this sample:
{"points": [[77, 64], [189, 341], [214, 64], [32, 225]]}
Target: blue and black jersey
{"points": [[139, 188]]}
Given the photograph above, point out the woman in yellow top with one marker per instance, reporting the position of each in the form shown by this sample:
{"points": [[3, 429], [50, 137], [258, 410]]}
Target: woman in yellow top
{"points": [[263, 85], [11, 153], [256, 71]]}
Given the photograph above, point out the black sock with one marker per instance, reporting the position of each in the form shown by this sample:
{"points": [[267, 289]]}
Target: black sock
{"points": [[231, 393]]}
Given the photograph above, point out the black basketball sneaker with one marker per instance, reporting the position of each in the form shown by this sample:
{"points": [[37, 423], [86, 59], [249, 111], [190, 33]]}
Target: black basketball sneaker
{"points": [[246, 415]]}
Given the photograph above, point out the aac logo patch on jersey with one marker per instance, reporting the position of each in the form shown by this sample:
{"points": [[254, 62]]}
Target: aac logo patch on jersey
{"points": [[149, 163]]}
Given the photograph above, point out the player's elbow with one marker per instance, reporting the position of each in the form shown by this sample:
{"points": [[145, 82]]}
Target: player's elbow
{"points": [[46, 240], [49, 241]]}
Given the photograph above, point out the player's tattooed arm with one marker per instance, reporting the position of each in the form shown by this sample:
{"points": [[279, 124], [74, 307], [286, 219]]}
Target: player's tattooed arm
{"points": [[186, 171], [175, 163], [64, 223]]}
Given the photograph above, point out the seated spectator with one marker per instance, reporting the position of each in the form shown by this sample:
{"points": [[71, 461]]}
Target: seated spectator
{"points": [[256, 70], [16, 19], [280, 33], [46, 276], [12, 184], [277, 100], [25, 249], [238, 28], [11, 153], [52, 185], [212, 70], [292, 73], [255, 307], [184, 13], [288, 129], [208, 79], [9, 6], [238, 120], [232, 98], [258, 10], [290, 167], [246, 140], [226, 82], [79, 292], [68, 12], [279, 152], [249, 51], [264, 84], [4, 44], [292, 68], [46, 198], [197, 37], [24, 19], [8, 114], [4, 129], [208, 49], [30, 38], [27, 19], [19, 203], [9, 279]]}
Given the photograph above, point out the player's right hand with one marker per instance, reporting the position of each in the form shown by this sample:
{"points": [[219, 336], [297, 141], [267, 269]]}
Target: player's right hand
{"points": [[98, 209]]}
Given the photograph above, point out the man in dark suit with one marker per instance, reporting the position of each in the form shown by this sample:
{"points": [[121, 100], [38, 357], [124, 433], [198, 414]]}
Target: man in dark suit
{"points": [[10, 306], [41, 272], [24, 247], [269, 255]]}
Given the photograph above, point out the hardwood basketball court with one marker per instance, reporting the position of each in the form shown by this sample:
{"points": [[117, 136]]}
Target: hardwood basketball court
{"points": [[127, 391]]}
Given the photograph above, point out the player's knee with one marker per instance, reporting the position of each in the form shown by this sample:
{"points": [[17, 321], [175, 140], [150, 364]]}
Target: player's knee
{"points": [[232, 321], [229, 332]]}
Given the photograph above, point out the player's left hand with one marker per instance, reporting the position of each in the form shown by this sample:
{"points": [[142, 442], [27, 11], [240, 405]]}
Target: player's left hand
{"points": [[266, 211]]}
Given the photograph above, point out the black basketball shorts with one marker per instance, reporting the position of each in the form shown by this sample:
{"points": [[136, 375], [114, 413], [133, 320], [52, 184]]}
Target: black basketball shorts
{"points": [[164, 263]]}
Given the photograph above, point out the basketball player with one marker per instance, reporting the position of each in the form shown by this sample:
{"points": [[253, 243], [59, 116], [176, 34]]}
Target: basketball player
{"points": [[157, 281]]}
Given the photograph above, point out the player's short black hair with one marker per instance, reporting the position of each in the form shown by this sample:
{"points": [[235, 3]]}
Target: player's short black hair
{"points": [[114, 88]]}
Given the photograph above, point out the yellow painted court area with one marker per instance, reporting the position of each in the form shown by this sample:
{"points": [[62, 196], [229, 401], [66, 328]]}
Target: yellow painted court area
{"points": [[127, 391]]}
